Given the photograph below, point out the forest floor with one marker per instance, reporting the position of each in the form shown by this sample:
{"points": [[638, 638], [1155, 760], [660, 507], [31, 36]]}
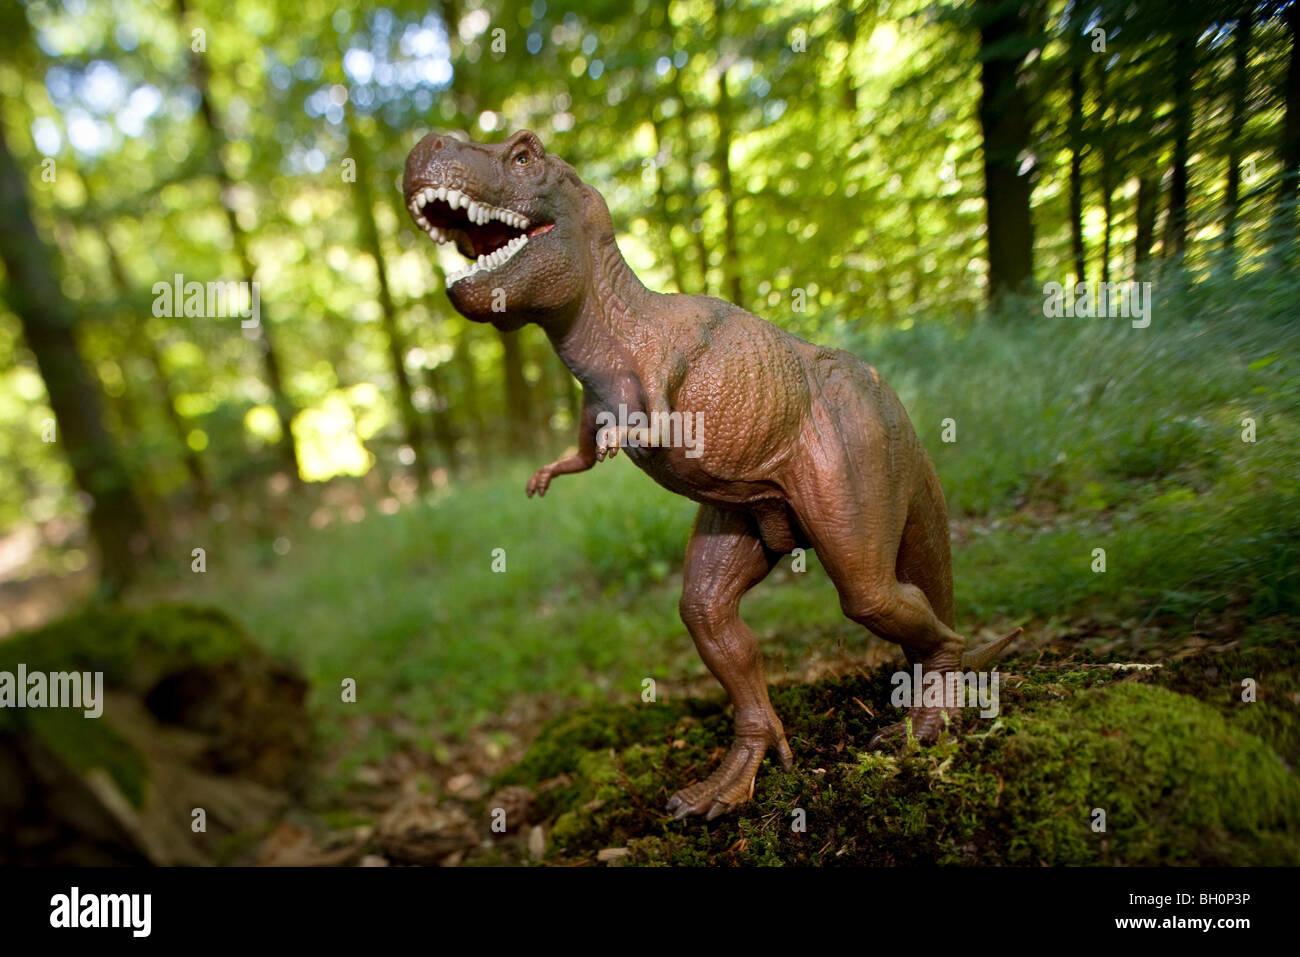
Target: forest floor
{"points": [[1157, 737], [1113, 507]]}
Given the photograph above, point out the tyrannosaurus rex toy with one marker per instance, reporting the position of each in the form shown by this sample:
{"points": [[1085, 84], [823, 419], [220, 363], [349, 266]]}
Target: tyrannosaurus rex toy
{"points": [[796, 445]]}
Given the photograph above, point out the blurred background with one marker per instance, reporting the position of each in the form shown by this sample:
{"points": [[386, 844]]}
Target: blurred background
{"points": [[894, 177]]}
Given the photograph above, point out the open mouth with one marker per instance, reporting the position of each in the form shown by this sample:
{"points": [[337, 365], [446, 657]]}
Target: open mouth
{"points": [[487, 235]]}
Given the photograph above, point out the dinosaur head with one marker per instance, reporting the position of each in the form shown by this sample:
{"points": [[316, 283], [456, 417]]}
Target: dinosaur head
{"points": [[519, 215]]}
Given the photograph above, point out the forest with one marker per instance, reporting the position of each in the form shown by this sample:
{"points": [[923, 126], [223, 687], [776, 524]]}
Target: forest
{"points": [[250, 454]]}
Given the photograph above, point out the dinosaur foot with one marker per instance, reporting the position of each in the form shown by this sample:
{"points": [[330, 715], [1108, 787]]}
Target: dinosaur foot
{"points": [[927, 725], [732, 783]]}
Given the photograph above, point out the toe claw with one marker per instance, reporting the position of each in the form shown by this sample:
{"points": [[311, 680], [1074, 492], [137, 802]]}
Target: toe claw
{"points": [[784, 756], [717, 809]]}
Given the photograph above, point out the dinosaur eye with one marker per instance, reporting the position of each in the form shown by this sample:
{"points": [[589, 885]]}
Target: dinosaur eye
{"points": [[521, 159]]}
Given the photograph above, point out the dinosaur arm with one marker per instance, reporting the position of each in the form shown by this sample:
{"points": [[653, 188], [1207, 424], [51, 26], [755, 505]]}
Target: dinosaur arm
{"points": [[579, 461], [638, 398]]}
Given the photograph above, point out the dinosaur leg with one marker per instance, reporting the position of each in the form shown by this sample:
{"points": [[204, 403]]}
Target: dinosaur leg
{"points": [[861, 531], [725, 558]]}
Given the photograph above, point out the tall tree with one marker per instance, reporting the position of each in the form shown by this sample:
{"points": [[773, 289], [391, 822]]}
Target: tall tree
{"points": [[1076, 51], [1107, 173], [284, 407], [1236, 123], [365, 207], [1005, 28], [1289, 188], [49, 327], [1184, 66]]}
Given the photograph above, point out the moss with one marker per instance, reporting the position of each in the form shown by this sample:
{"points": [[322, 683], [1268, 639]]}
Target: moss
{"points": [[134, 648], [1217, 679], [83, 745], [1182, 780]]}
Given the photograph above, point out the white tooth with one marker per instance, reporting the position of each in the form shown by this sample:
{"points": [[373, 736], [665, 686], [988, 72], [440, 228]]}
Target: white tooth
{"points": [[441, 193], [428, 194], [424, 223], [453, 198], [473, 211]]}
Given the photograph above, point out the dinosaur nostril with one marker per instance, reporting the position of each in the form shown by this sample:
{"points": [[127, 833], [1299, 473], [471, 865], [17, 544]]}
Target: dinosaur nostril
{"points": [[437, 144]]}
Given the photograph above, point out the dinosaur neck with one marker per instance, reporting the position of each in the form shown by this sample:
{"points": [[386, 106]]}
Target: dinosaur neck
{"points": [[614, 317]]}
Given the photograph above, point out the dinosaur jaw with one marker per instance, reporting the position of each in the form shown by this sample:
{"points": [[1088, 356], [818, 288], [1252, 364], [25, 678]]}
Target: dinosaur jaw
{"points": [[489, 236]]}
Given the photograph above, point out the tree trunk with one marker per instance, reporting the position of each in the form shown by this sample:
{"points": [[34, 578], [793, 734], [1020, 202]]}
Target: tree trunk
{"points": [[464, 361], [661, 199], [1236, 123], [1004, 120], [1076, 155], [1290, 152], [444, 433], [1107, 173], [518, 411], [116, 520], [914, 282], [365, 205], [695, 217], [284, 407], [147, 348], [722, 160], [1175, 243]]}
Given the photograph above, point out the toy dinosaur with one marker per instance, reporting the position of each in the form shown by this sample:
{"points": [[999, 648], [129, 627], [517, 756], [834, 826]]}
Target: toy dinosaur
{"points": [[794, 445]]}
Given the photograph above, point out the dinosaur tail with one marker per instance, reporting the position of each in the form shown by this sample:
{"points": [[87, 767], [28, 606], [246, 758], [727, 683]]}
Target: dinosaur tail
{"points": [[977, 659]]}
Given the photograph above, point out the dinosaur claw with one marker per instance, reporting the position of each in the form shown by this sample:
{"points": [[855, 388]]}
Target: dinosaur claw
{"points": [[886, 737], [784, 756], [731, 783]]}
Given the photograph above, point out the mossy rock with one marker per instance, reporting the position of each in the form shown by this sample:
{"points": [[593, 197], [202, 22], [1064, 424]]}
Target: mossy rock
{"points": [[134, 648], [1180, 780], [195, 714]]}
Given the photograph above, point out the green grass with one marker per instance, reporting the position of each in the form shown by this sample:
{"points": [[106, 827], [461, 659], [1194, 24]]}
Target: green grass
{"points": [[1071, 435]]}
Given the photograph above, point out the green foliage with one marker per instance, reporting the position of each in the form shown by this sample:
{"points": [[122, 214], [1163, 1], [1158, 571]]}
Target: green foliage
{"points": [[850, 138]]}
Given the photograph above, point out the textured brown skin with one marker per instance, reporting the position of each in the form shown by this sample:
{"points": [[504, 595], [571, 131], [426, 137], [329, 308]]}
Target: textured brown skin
{"points": [[803, 446]]}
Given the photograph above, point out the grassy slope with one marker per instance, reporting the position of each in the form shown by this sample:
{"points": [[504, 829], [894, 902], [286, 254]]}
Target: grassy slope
{"points": [[1071, 435]]}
